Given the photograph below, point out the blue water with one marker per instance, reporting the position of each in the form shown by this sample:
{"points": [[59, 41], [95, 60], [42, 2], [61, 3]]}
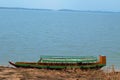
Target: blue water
{"points": [[27, 34]]}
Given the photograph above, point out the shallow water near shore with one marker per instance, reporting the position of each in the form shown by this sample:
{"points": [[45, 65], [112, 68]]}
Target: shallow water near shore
{"points": [[27, 34]]}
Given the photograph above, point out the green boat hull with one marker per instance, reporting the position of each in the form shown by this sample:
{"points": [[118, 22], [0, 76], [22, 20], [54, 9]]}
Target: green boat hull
{"points": [[64, 62], [56, 66]]}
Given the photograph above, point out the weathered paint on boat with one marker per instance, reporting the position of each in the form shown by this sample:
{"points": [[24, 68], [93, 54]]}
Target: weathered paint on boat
{"points": [[64, 62]]}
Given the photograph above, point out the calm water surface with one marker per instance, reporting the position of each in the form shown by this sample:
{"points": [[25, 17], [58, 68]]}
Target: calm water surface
{"points": [[27, 34]]}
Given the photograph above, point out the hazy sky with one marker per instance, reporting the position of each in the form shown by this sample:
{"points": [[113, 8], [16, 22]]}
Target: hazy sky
{"points": [[104, 5]]}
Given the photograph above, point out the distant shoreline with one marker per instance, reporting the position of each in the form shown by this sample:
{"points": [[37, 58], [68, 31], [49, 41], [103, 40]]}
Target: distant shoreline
{"points": [[66, 10]]}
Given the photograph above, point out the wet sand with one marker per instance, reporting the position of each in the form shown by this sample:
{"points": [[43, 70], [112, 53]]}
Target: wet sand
{"points": [[9, 73]]}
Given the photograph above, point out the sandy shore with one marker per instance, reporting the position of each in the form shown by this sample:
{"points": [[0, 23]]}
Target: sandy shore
{"points": [[8, 73]]}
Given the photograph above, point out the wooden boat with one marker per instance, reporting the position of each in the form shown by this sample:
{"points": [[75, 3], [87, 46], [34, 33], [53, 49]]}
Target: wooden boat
{"points": [[64, 62]]}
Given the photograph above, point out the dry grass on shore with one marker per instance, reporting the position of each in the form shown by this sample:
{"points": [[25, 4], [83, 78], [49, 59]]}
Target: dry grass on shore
{"points": [[7, 73]]}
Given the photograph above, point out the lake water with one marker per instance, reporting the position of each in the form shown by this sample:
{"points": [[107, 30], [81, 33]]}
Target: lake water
{"points": [[27, 34]]}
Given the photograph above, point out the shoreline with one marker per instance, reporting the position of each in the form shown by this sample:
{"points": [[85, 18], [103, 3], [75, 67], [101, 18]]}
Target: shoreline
{"points": [[11, 73]]}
